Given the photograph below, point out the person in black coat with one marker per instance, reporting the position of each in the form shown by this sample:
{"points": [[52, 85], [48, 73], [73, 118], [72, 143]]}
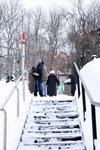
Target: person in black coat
{"points": [[73, 86], [38, 79], [31, 80], [52, 83]]}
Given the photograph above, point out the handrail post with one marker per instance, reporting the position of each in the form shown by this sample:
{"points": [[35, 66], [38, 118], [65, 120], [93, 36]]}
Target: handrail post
{"points": [[23, 86], [78, 85], [5, 130], [84, 103], [17, 101], [77, 80], [94, 130]]}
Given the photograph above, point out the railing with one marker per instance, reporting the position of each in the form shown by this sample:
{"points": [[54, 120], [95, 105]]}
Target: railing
{"points": [[83, 87], [2, 107]]}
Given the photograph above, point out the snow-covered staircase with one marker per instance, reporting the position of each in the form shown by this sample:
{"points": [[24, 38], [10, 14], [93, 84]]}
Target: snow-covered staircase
{"points": [[52, 124]]}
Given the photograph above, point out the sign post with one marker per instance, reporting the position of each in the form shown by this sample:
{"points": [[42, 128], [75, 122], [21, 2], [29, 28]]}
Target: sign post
{"points": [[23, 62], [23, 51]]}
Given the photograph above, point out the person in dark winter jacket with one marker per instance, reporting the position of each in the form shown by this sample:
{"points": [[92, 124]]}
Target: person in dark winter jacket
{"points": [[38, 79], [44, 79], [73, 86], [31, 82], [52, 83], [31, 79]]}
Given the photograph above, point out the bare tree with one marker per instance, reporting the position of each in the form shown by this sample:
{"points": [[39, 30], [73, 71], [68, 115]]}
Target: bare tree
{"points": [[55, 31], [83, 35], [11, 20], [38, 27]]}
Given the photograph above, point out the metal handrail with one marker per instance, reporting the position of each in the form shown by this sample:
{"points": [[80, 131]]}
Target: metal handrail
{"points": [[86, 89], [8, 97], [6, 101], [92, 102]]}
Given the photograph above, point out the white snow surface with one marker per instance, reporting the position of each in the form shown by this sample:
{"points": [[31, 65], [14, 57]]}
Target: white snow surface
{"points": [[91, 74]]}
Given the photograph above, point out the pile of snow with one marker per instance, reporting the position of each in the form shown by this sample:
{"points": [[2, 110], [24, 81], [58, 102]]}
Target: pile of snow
{"points": [[91, 75], [67, 81]]}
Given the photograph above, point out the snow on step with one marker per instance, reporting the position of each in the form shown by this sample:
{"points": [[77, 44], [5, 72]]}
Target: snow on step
{"points": [[75, 146], [68, 124], [55, 146], [72, 130], [50, 120], [62, 114], [52, 124], [51, 135]]}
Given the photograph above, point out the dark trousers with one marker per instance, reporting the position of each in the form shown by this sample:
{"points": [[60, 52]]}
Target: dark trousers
{"points": [[38, 87]]}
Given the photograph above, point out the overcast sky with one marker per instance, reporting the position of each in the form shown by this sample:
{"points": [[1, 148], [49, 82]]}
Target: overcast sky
{"points": [[47, 4]]}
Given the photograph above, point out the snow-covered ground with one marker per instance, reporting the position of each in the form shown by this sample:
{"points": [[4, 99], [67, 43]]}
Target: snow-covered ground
{"points": [[13, 122], [91, 74]]}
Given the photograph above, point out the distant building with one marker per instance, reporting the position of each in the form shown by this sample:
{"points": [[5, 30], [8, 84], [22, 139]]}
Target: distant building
{"points": [[62, 76]]}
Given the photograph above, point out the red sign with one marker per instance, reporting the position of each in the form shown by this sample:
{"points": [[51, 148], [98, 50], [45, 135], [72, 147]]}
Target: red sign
{"points": [[23, 38]]}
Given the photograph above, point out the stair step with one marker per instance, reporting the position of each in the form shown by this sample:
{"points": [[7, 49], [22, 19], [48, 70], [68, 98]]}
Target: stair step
{"points": [[53, 124], [51, 135], [72, 114], [53, 100], [54, 107], [73, 130], [52, 142], [46, 121], [51, 129], [77, 146], [50, 105], [51, 111]]}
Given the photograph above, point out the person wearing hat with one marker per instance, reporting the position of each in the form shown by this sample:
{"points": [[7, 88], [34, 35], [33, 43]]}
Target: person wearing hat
{"points": [[52, 83], [38, 79]]}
